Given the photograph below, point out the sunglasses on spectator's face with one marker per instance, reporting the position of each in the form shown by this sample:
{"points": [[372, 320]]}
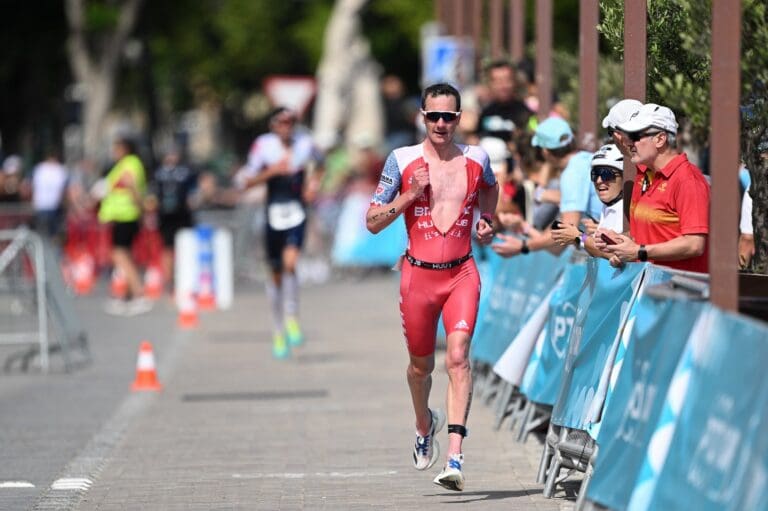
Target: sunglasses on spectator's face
{"points": [[636, 137], [607, 174], [434, 115]]}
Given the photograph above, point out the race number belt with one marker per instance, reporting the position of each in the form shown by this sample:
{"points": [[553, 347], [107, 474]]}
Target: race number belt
{"points": [[436, 266]]}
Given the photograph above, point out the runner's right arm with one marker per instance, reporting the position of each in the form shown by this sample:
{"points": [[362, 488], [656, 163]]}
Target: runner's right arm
{"points": [[386, 204]]}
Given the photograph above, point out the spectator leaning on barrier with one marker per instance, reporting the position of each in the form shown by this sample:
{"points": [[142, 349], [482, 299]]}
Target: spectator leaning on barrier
{"points": [[436, 186], [669, 213], [577, 196], [607, 176]]}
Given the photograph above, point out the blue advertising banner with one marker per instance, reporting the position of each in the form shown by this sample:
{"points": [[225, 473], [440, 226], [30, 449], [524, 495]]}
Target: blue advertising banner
{"points": [[542, 376], [652, 276], [709, 451], [601, 309], [520, 284], [658, 331]]}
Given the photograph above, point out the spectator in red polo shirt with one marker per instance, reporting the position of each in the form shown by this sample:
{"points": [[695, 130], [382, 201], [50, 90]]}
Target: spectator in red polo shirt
{"points": [[669, 213]]}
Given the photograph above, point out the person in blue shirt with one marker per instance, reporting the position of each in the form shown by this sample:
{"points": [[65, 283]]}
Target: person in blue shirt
{"points": [[579, 202]]}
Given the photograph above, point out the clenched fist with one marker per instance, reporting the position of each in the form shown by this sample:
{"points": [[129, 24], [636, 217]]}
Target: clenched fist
{"points": [[419, 181]]}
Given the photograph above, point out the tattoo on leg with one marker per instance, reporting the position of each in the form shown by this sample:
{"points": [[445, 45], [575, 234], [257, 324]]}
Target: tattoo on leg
{"points": [[469, 404]]}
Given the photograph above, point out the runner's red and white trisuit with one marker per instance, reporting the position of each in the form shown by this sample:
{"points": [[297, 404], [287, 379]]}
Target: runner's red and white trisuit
{"points": [[424, 292]]}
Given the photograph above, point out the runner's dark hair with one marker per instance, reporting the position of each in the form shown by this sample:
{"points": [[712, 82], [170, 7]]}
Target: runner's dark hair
{"points": [[440, 89]]}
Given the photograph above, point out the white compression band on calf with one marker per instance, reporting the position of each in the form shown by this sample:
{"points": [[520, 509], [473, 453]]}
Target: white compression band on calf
{"points": [[275, 297], [291, 294]]}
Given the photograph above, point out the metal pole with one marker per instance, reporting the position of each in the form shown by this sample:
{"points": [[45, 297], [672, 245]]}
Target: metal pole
{"points": [[516, 29], [496, 22], [635, 45], [588, 19], [544, 56], [724, 121]]}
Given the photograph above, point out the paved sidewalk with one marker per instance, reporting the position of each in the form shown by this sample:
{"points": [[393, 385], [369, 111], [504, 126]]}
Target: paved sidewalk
{"points": [[330, 428]]}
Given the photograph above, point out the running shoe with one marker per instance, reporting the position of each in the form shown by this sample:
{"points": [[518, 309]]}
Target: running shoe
{"points": [[138, 306], [280, 347], [427, 450], [293, 332], [116, 307], [451, 478]]}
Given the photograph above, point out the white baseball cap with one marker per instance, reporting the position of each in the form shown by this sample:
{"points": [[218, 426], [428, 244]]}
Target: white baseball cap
{"points": [[608, 156], [650, 115], [620, 112]]}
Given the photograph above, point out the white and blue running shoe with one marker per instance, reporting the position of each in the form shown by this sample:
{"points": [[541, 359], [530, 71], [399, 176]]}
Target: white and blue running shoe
{"points": [[452, 477], [427, 450]]}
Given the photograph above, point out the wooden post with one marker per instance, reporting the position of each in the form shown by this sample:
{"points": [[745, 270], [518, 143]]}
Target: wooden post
{"points": [[635, 66], [517, 30], [725, 129], [589, 16], [544, 56], [496, 22]]}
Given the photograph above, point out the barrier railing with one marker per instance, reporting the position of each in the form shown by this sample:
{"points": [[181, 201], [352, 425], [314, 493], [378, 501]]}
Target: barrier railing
{"points": [[655, 398], [32, 293]]}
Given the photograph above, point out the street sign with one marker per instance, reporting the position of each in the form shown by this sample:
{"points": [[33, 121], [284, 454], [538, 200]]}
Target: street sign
{"points": [[294, 92], [448, 59]]}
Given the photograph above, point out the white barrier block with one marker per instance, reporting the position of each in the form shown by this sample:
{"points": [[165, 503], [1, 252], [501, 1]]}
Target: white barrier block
{"points": [[223, 273]]}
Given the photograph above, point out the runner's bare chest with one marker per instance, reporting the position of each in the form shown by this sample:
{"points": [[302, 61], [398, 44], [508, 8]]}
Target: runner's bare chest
{"points": [[448, 189]]}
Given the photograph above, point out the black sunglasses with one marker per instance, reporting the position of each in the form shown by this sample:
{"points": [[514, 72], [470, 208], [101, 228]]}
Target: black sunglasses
{"points": [[434, 116], [607, 174], [637, 136]]}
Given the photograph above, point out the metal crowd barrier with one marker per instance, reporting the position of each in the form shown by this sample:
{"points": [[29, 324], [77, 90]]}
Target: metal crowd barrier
{"points": [[35, 307]]}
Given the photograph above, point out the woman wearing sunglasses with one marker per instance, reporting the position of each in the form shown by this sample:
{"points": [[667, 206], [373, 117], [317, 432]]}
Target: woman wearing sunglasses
{"points": [[436, 186], [608, 180]]}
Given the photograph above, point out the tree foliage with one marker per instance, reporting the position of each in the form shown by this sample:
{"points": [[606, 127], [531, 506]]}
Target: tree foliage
{"points": [[679, 75]]}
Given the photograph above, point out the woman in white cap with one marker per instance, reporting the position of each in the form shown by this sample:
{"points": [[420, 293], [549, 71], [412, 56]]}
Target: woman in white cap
{"points": [[607, 178]]}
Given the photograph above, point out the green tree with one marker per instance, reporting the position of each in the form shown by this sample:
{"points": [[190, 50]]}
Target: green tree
{"points": [[679, 76]]}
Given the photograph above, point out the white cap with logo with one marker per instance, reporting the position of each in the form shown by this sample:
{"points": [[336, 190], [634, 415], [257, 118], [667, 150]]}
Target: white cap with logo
{"points": [[621, 112], [651, 115]]}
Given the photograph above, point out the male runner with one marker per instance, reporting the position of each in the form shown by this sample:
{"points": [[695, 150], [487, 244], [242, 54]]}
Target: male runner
{"points": [[439, 184], [281, 159]]}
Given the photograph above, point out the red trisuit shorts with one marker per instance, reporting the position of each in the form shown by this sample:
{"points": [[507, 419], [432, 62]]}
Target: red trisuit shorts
{"points": [[425, 293]]}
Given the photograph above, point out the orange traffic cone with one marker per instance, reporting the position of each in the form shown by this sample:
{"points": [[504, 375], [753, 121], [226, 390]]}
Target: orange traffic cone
{"points": [[119, 285], [153, 282], [206, 300], [146, 375], [82, 274], [187, 311]]}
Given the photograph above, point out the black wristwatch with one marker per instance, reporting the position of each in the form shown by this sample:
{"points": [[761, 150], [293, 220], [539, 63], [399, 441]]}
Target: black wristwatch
{"points": [[524, 249], [642, 254]]}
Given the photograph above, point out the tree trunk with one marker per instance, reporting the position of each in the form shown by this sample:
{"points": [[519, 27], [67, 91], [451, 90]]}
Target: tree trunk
{"points": [[98, 72], [348, 94]]}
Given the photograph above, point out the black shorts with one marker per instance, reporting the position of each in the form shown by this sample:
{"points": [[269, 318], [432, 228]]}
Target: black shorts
{"points": [[171, 224], [123, 233], [278, 240]]}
